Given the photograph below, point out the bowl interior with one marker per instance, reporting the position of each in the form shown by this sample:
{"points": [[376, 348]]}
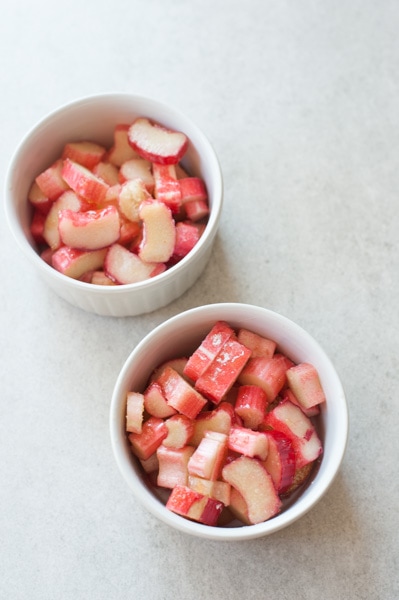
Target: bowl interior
{"points": [[178, 337]]}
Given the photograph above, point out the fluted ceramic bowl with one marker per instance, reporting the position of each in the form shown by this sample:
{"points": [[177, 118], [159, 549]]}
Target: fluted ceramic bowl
{"points": [[94, 118], [179, 336]]}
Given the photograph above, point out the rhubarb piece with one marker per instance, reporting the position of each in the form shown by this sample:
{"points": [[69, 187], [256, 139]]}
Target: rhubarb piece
{"points": [[37, 226], [129, 231], [180, 431], [84, 182], [223, 371], [267, 373], [108, 172], [280, 460], [208, 350], [147, 442], [132, 193], [121, 151], [180, 394], [255, 485], [248, 442], [290, 420], [89, 230], [187, 236], [75, 263], [39, 200], [124, 267], [178, 364], [196, 210], [208, 459], [158, 232], [134, 412], [259, 345], [192, 189], [251, 405], [220, 490], [86, 153], [238, 506], [166, 186], [173, 464], [303, 380], [100, 278], [156, 143], [194, 506], [287, 394], [137, 168], [155, 402], [67, 200], [51, 181], [220, 420]]}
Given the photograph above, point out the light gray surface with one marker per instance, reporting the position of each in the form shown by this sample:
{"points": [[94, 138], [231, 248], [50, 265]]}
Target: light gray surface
{"points": [[300, 100]]}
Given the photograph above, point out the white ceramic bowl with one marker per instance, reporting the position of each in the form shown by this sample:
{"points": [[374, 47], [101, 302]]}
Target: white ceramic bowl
{"points": [[180, 335], [94, 118]]}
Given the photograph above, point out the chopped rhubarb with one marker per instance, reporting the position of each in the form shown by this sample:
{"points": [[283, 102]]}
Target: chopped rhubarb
{"points": [[173, 465], [155, 402], [267, 373], [156, 143], [280, 460], [247, 442], [254, 483], [180, 394], [147, 442], [208, 458], [195, 506], [134, 412], [290, 420], [259, 345], [251, 405], [223, 371], [180, 431], [208, 350], [220, 420], [166, 186], [304, 382]]}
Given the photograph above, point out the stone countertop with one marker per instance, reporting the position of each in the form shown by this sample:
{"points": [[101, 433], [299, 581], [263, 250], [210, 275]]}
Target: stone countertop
{"points": [[300, 101]]}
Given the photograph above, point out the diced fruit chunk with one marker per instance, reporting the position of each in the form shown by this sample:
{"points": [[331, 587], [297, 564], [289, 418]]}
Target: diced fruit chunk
{"points": [[153, 432], [180, 394], [156, 143], [303, 380], [255, 485], [251, 405], [267, 373], [75, 263], [280, 460], [208, 350], [180, 431], [86, 153], [134, 412], [51, 181], [209, 456], [158, 232], [290, 420], [259, 345], [248, 442], [123, 266], [223, 371], [84, 182], [173, 465], [193, 505], [89, 230]]}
